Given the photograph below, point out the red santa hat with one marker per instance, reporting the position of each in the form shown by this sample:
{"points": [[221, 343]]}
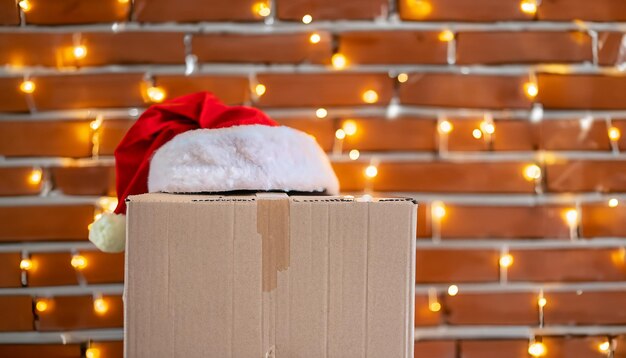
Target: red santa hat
{"points": [[195, 143]]}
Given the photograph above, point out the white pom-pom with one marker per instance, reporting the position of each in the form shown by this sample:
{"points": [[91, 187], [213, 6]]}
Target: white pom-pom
{"points": [[108, 233]]}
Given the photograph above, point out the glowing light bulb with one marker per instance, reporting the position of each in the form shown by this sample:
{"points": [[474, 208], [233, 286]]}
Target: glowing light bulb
{"points": [[92, 353], [321, 113], [79, 52], [123, 1], [315, 38], [445, 127], [542, 302], [571, 216], [614, 134], [537, 349], [420, 8], [403, 77], [604, 347], [260, 89], [438, 210], [532, 172], [42, 305], [340, 134], [354, 154], [261, 9], [25, 5], [27, 86], [506, 260], [434, 306], [339, 61], [531, 89], [96, 124], [155, 94], [306, 19], [35, 176], [477, 133], [487, 127], [528, 6], [613, 202], [453, 290], [78, 262], [100, 305], [349, 127], [371, 171], [370, 96], [446, 36], [26, 264]]}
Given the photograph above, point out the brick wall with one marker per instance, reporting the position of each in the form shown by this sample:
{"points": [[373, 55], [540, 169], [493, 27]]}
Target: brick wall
{"points": [[520, 237]]}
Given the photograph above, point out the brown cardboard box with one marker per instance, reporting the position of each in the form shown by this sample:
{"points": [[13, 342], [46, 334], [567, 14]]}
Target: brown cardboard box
{"points": [[269, 275]]}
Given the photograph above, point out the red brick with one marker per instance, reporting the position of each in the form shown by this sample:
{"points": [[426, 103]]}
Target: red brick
{"points": [[600, 220], [322, 129], [509, 135], [523, 47], [273, 48], [52, 269], [472, 91], [574, 347], [40, 350], [16, 313], [57, 12], [76, 312], [194, 10], [112, 133], [322, 90], [504, 222], [494, 349], [103, 267], [453, 10], [581, 91], [439, 349], [133, 48], [588, 308], [45, 138], [32, 49], [492, 309], [566, 265], [8, 13], [229, 89], [608, 51], [381, 47], [15, 181], [435, 266], [10, 273], [96, 180], [12, 100], [599, 10], [50, 222], [88, 91], [331, 10], [568, 135], [597, 176], [109, 349], [424, 229], [400, 134], [423, 315]]}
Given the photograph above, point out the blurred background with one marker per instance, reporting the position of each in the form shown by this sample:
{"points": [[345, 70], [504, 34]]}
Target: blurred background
{"points": [[503, 118]]}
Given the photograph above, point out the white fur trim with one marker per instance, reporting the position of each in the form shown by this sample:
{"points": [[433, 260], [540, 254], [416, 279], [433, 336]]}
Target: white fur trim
{"points": [[248, 157], [108, 233]]}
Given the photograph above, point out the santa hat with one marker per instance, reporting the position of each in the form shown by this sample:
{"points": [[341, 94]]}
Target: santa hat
{"points": [[195, 143]]}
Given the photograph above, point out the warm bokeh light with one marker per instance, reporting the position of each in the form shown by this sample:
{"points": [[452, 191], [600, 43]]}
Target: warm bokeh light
{"points": [[532, 172], [542, 302], [453, 290], [35, 176], [78, 262], [613, 202], [434, 306], [306, 19], [321, 113], [340, 134], [371, 171], [445, 127], [477, 133], [100, 305], [354, 154], [315, 38], [604, 347], [487, 127], [92, 353], [79, 52], [571, 217], [528, 6], [156, 94], [260, 89], [446, 36], [108, 203], [438, 210], [403, 77], [96, 124], [26, 264], [27, 86], [531, 89], [349, 127], [370, 96], [614, 134], [42, 305], [339, 61], [506, 260], [419, 8], [25, 5], [262, 9], [537, 349]]}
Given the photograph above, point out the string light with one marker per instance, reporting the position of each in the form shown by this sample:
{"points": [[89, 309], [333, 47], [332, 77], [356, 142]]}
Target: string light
{"points": [[571, 217], [371, 171], [340, 134], [370, 96], [403, 77], [306, 19], [531, 89], [260, 89], [604, 347], [96, 123], [80, 52], [42, 305], [354, 154], [25, 5], [155, 94], [27, 86], [433, 301], [438, 210], [78, 262], [453, 290], [35, 176], [613, 202], [542, 301], [614, 134], [435, 306], [446, 36], [532, 172], [26, 264], [349, 127], [315, 38], [506, 260], [261, 9], [445, 127], [100, 305], [477, 133], [537, 349], [92, 353], [420, 8], [339, 61], [529, 6], [487, 127]]}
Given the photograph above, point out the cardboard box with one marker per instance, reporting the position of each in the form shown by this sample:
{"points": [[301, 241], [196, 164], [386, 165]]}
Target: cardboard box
{"points": [[269, 275]]}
